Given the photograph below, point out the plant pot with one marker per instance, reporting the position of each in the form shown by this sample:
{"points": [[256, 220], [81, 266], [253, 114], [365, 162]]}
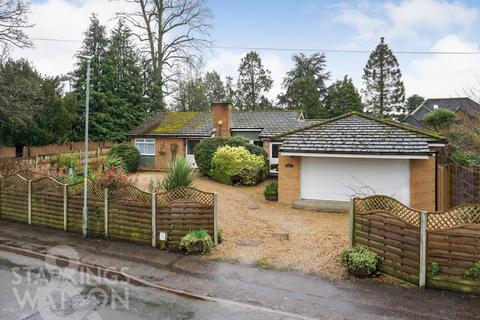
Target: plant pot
{"points": [[360, 273], [272, 197]]}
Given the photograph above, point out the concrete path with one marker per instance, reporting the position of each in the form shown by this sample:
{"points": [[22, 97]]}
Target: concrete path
{"points": [[282, 292]]}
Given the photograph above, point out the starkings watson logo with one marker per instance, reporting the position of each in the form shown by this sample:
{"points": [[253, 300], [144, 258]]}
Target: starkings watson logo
{"points": [[58, 291]]}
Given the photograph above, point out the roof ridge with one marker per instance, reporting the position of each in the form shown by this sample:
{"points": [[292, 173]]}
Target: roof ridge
{"points": [[363, 115]]}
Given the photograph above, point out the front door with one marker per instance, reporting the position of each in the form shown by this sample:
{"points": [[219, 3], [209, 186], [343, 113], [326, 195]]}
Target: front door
{"points": [[274, 151], [189, 152]]}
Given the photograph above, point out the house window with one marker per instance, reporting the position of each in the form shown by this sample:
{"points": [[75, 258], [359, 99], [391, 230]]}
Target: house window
{"points": [[275, 150], [191, 144], [146, 147]]}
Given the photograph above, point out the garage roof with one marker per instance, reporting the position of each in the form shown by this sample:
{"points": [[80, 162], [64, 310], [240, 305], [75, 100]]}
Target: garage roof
{"points": [[356, 133]]}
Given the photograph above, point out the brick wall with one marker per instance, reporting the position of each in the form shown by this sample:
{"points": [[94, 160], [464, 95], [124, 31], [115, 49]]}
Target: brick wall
{"points": [[422, 184], [222, 112], [163, 151], [288, 179]]}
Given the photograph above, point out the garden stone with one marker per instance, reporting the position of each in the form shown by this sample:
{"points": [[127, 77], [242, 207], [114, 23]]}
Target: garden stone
{"points": [[253, 206], [249, 243], [280, 236]]}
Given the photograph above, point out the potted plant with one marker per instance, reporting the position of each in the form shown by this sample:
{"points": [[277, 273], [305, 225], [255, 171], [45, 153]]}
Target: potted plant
{"points": [[271, 191], [360, 261]]}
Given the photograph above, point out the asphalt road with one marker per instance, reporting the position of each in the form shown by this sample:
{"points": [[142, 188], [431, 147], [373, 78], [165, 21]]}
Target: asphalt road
{"points": [[29, 289]]}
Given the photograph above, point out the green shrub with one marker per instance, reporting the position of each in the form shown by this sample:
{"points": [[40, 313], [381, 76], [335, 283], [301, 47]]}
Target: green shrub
{"points": [[439, 118], [227, 161], [435, 268], [220, 235], [360, 261], [196, 241], [68, 160], [247, 176], [271, 190], [205, 150], [179, 174], [473, 272], [113, 161], [129, 154]]}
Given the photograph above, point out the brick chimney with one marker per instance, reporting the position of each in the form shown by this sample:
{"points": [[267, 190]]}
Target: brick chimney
{"points": [[222, 118]]}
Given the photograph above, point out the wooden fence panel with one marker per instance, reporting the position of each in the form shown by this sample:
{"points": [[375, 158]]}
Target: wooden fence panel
{"points": [[130, 221], [394, 240], [95, 215], [47, 209], [14, 199], [465, 185], [182, 215]]}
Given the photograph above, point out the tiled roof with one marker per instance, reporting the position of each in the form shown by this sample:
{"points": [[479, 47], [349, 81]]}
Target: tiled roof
{"points": [[199, 124], [185, 124], [469, 106], [359, 134], [272, 123]]}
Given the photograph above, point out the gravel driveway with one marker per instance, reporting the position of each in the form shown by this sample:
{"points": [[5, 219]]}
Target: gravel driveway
{"points": [[251, 227]]}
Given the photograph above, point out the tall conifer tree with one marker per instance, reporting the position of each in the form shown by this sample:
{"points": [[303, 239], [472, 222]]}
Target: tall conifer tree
{"points": [[384, 92]]}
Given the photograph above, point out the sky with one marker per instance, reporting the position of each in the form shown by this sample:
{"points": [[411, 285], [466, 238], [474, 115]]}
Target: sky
{"points": [[407, 25]]}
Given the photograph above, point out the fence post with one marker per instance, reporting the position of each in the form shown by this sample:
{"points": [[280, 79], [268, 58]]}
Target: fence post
{"points": [[154, 220], [65, 206], [351, 223], [105, 212], [29, 206], [215, 218], [423, 249]]}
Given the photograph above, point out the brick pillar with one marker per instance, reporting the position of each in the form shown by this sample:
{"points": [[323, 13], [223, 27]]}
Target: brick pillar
{"points": [[422, 184], [288, 179]]}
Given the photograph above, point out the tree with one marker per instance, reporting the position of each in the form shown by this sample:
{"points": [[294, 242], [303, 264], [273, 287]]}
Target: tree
{"points": [[32, 109], [253, 82], [192, 94], [413, 102], [175, 32], [384, 91], [304, 85], [20, 98], [13, 22], [342, 97], [229, 90], [117, 90], [215, 87]]}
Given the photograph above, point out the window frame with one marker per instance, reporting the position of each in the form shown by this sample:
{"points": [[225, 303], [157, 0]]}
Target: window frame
{"points": [[145, 142]]}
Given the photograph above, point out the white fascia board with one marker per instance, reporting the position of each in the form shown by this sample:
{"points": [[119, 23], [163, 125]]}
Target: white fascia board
{"points": [[358, 156], [246, 130], [436, 144]]}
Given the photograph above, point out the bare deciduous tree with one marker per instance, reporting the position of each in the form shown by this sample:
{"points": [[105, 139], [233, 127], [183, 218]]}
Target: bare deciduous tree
{"points": [[13, 22], [175, 32]]}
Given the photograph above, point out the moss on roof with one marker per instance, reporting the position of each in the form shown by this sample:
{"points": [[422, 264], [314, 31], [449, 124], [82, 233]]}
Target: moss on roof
{"points": [[174, 121], [384, 121]]}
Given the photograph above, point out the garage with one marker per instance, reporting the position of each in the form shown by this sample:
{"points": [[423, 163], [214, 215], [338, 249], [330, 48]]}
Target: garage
{"points": [[339, 179], [356, 155]]}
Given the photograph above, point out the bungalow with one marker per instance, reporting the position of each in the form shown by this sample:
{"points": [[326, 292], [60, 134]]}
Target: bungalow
{"points": [[168, 134], [358, 155]]}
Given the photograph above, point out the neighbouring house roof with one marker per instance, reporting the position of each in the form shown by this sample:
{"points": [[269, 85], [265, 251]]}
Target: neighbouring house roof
{"points": [[199, 124], [355, 133], [469, 106], [271, 123]]}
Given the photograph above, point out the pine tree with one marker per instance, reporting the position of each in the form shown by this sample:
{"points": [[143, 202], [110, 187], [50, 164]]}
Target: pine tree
{"points": [[304, 85], [215, 87], [384, 91], [254, 82], [117, 86], [342, 97]]}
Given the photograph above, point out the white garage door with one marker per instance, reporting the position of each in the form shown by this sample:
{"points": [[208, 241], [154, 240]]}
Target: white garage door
{"points": [[341, 178]]}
